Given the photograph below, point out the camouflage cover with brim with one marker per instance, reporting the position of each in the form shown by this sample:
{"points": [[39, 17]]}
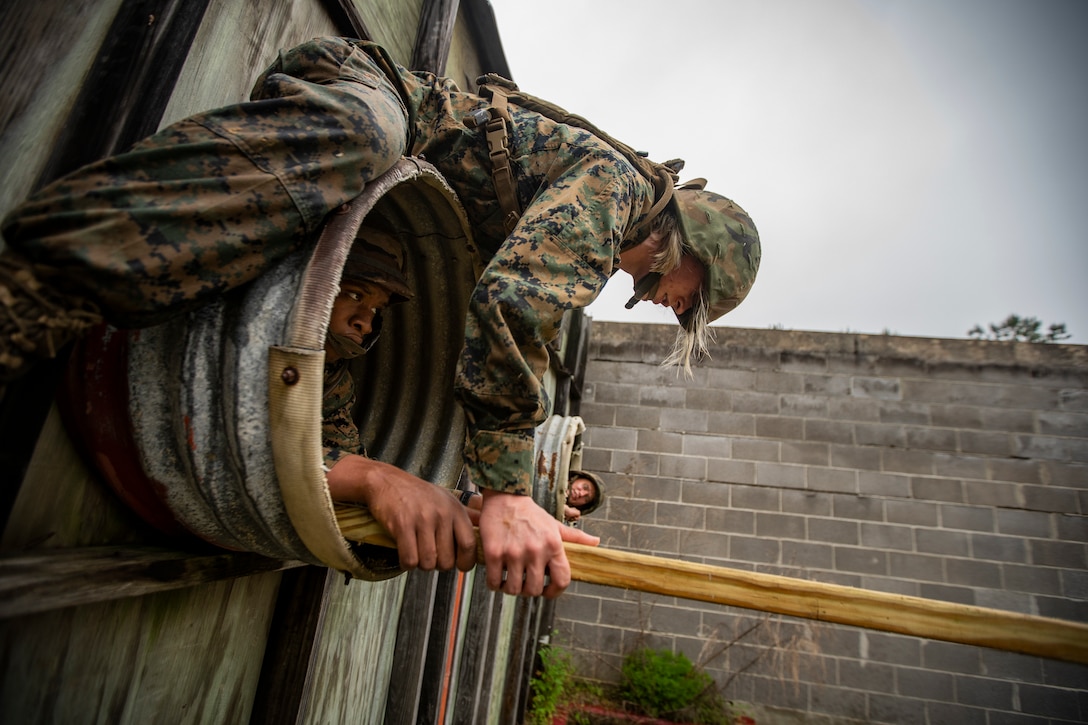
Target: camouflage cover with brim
{"points": [[722, 236]]}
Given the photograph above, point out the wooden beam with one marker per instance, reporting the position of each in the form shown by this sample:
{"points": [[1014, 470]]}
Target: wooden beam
{"points": [[915, 616], [57, 578], [434, 34]]}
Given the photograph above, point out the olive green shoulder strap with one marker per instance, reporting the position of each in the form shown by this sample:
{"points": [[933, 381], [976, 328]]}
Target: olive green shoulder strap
{"points": [[501, 91]]}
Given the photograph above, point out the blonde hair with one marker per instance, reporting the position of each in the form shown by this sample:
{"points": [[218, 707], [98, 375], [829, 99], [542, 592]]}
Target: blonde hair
{"points": [[691, 339]]}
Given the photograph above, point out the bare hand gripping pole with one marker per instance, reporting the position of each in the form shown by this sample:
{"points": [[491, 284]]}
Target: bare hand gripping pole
{"points": [[916, 616]]}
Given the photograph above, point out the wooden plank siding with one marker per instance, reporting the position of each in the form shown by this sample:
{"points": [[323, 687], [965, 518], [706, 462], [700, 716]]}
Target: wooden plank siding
{"points": [[106, 619]]}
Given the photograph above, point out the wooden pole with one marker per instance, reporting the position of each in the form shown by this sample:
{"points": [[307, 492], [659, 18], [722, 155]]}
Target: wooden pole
{"points": [[915, 616]]}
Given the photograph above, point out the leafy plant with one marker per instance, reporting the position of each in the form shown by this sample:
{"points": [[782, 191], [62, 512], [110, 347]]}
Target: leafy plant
{"points": [[663, 684], [549, 684]]}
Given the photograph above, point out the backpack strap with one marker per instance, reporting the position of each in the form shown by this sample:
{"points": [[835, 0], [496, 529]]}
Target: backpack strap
{"points": [[502, 91], [494, 120]]}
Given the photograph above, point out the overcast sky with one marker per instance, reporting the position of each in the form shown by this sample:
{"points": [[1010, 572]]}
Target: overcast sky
{"points": [[913, 166]]}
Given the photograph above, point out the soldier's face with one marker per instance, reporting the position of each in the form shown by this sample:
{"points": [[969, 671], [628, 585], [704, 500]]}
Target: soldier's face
{"points": [[580, 492], [680, 288], [353, 311]]}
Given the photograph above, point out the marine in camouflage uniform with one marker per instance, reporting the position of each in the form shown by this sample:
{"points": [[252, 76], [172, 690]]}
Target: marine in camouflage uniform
{"points": [[212, 201]]}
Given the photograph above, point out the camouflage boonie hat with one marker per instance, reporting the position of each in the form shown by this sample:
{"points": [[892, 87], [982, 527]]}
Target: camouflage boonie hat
{"points": [[378, 257], [722, 237]]}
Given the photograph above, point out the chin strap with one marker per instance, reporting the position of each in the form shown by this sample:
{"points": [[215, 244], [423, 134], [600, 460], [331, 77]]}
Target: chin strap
{"points": [[642, 287]]}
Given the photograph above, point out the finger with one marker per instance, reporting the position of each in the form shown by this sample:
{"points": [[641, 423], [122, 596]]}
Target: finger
{"points": [[494, 568], [558, 575], [407, 550], [534, 581], [515, 580], [465, 536], [578, 536], [430, 550]]}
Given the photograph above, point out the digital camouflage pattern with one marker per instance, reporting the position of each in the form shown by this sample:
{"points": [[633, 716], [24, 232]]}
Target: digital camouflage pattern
{"points": [[723, 237], [339, 433], [212, 201]]}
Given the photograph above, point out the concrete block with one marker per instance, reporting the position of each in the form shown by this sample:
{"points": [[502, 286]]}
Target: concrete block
{"points": [[829, 431], [634, 463], [833, 531], [1050, 498], [883, 536], [680, 516], [769, 380], [655, 539], [661, 397], [780, 526], [754, 549], [804, 406], [1009, 549], [708, 399], [985, 443], [885, 485], [730, 521], [915, 513], [1035, 579], [948, 543], [932, 439], [705, 445], [809, 503], [752, 449], [811, 454], [683, 467], [683, 420], [971, 573], [925, 684], [990, 493], [897, 413], [858, 507], [624, 439], [878, 434], [831, 386], [862, 561], [1034, 524], [728, 471], [1011, 421], [1016, 471], [706, 494], [807, 555], [656, 441], [947, 593], [777, 475], [924, 488], [864, 458], [725, 423], [1064, 554], [755, 402], [969, 518], [839, 480], [984, 692], [786, 429], [918, 567], [915, 462], [878, 388]]}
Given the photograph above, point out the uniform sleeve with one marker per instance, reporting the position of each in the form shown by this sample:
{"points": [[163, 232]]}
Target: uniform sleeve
{"points": [[339, 434], [559, 257]]}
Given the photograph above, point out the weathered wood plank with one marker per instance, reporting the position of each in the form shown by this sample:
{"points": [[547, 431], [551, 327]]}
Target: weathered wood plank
{"points": [[355, 651], [413, 632], [57, 578], [287, 671], [474, 652], [434, 35], [189, 655]]}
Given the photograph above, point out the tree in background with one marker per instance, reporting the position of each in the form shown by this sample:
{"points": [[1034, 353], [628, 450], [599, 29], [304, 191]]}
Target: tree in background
{"points": [[1022, 329]]}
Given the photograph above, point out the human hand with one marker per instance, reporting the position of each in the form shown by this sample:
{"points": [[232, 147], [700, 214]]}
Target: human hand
{"points": [[432, 529], [522, 542]]}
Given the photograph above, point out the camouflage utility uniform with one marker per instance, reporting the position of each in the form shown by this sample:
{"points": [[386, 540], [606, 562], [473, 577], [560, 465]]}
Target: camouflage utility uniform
{"points": [[210, 202], [339, 433]]}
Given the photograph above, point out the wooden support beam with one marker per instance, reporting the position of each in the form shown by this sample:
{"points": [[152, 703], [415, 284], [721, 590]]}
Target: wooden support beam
{"points": [[57, 578], [915, 616], [434, 35]]}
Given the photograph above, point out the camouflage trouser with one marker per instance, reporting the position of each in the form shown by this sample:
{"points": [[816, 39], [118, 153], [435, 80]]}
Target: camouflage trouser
{"points": [[210, 202]]}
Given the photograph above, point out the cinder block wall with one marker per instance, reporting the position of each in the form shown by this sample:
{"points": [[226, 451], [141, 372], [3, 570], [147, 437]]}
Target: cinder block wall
{"points": [[950, 469]]}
